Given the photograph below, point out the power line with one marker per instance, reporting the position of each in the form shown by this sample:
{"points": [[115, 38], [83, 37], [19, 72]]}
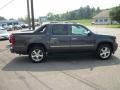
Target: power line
{"points": [[6, 4]]}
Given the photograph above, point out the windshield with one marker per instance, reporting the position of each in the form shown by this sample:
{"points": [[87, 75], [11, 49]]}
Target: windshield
{"points": [[3, 31]]}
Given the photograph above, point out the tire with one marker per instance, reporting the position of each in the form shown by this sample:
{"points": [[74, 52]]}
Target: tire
{"points": [[104, 51], [37, 54]]}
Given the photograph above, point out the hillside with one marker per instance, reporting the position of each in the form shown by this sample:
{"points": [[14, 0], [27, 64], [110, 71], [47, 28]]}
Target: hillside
{"points": [[81, 13]]}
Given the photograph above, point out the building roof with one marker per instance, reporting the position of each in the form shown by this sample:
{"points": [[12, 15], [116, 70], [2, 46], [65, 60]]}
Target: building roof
{"points": [[103, 14]]}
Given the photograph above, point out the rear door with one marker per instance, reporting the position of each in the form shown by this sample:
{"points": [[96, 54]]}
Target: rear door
{"points": [[59, 39]]}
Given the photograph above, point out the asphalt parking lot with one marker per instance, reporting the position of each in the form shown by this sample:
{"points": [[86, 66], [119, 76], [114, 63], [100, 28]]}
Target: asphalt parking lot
{"points": [[60, 72]]}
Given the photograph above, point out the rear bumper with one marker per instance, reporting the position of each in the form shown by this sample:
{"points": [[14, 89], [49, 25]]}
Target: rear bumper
{"points": [[17, 51], [11, 50]]}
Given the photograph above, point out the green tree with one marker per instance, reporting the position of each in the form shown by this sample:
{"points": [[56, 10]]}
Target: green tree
{"points": [[11, 19], [2, 18], [98, 10], [50, 16], [81, 13], [23, 19], [115, 13]]}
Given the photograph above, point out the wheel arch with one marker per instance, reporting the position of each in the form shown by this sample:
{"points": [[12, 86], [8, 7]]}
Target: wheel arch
{"points": [[36, 44], [105, 42]]}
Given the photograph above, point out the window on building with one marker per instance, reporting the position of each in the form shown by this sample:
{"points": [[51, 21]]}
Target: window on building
{"points": [[105, 20], [96, 20], [101, 20]]}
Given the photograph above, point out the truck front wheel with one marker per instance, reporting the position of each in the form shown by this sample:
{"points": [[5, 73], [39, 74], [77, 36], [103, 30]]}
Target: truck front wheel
{"points": [[37, 54], [104, 51]]}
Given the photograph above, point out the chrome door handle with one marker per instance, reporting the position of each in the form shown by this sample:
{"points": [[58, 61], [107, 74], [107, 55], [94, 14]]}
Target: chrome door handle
{"points": [[74, 38], [53, 38]]}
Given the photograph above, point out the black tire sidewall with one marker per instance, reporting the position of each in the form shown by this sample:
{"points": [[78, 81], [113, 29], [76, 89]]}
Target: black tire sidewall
{"points": [[100, 47], [40, 48]]}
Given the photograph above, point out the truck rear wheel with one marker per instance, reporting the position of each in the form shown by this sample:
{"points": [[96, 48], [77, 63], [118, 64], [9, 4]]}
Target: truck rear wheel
{"points": [[37, 54]]}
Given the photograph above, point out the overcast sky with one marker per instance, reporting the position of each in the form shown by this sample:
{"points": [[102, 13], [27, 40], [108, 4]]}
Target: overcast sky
{"points": [[17, 8]]}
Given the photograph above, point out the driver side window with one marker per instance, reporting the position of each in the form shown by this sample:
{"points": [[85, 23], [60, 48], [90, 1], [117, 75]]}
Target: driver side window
{"points": [[78, 30]]}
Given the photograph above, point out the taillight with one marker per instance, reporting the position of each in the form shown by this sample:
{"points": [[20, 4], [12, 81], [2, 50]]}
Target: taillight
{"points": [[12, 39]]}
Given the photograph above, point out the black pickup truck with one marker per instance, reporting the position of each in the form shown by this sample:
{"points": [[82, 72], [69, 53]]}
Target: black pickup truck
{"points": [[51, 38]]}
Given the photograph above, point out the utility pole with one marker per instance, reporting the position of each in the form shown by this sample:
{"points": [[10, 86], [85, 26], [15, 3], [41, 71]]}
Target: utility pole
{"points": [[32, 15], [28, 12]]}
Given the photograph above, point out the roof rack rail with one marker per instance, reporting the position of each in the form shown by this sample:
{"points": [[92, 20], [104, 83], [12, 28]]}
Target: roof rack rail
{"points": [[60, 22]]}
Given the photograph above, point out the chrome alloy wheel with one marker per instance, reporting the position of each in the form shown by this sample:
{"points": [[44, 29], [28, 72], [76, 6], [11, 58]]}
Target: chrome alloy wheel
{"points": [[37, 55], [105, 52]]}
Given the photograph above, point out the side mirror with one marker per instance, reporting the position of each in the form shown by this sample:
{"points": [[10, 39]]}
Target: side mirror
{"points": [[88, 32]]}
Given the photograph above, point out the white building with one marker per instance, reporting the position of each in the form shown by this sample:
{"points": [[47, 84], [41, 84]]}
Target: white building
{"points": [[103, 18]]}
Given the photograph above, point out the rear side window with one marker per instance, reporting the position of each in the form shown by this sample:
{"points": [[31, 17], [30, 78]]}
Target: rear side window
{"points": [[42, 29], [59, 30]]}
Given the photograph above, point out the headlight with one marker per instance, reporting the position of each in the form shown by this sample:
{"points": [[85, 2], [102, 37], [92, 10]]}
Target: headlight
{"points": [[115, 39]]}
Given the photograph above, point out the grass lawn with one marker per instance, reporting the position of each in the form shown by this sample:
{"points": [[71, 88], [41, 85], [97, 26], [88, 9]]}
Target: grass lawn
{"points": [[87, 22], [108, 26], [114, 26]]}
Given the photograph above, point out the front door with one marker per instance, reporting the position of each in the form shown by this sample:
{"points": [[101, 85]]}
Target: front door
{"points": [[80, 39]]}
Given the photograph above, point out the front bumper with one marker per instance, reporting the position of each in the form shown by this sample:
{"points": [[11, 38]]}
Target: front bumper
{"points": [[115, 46]]}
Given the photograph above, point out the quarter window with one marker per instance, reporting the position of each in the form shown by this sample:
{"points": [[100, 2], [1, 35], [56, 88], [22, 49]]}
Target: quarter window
{"points": [[42, 29], [59, 30]]}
